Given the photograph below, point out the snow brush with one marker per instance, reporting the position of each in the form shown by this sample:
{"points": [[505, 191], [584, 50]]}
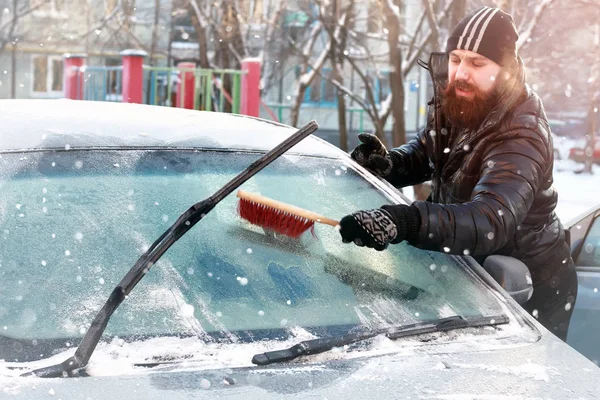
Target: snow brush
{"points": [[277, 216]]}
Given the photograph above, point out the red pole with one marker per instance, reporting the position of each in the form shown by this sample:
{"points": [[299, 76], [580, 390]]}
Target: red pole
{"points": [[250, 104], [133, 75], [72, 78], [186, 79]]}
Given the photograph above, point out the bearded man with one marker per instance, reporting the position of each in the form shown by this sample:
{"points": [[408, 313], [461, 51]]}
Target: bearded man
{"points": [[488, 152]]}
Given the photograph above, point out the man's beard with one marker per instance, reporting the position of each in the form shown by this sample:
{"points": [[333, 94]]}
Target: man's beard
{"points": [[467, 112]]}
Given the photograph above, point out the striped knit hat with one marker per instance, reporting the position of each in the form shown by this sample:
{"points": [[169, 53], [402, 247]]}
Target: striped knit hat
{"points": [[488, 31]]}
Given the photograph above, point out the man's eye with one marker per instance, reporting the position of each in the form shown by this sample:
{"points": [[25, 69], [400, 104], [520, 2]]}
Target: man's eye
{"points": [[477, 65]]}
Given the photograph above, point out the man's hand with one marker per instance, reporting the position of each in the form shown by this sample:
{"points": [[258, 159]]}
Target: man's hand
{"points": [[371, 228], [380, 227], [372, 154]]}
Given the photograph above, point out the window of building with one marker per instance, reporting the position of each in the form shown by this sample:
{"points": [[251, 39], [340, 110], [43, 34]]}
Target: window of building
{"points": [[47, 74]]}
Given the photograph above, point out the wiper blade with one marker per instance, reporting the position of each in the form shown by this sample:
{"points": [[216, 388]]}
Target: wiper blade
{"points": [[320, 345], [184, 223]]}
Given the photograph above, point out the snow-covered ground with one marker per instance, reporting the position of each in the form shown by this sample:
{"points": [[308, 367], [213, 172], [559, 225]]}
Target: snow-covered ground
{"points": [[577, 193]]}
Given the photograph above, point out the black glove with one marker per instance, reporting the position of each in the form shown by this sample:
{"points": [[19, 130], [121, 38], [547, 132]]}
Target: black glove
{"points": [[372, 155], [380, 227]]}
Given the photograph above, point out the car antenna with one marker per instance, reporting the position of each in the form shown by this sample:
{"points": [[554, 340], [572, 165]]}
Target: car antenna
{"points": [[183, 224]]}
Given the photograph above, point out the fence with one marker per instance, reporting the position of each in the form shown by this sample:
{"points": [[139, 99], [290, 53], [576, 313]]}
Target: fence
{"points": [[184, 86]]}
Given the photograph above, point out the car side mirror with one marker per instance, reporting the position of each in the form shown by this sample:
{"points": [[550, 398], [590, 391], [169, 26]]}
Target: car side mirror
{"points": [[512, 274]]}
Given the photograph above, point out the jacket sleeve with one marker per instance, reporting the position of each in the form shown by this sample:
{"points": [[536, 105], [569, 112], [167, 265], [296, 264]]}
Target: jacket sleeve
{"points": [[411, 163], [513, 168]]}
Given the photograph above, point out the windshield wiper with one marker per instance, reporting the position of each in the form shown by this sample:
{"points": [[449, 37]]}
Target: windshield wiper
{"points": [[320, 345], [184, 223]]}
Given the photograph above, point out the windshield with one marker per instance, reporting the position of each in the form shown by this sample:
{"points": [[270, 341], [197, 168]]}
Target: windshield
{"points": [[72, 223]]}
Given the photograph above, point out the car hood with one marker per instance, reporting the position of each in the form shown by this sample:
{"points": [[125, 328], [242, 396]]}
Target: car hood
{"points": [[540, 369]]}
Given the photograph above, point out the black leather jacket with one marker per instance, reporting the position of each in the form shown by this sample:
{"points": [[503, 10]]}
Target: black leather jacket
{"points": [[491, 188]]}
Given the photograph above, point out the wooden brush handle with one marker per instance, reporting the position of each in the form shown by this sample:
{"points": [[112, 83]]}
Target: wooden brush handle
{"points": [[278, 205]]}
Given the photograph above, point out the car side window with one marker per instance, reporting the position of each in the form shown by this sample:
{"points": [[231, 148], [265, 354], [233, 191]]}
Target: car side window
{"points": [[589, 256]]}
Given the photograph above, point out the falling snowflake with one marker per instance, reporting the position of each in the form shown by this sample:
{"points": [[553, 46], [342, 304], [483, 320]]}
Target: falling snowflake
{"points": [[249, 250], [261, 313], [432, 267], [535, 313]]}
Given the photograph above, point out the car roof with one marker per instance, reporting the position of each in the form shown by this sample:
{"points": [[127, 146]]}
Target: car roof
{"points": [[52, 124]]}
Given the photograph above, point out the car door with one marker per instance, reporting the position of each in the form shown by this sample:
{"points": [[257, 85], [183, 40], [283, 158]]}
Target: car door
{"points": [[585, 321]]}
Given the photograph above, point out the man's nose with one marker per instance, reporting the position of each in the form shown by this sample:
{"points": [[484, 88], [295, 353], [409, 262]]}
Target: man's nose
{"points": [[462, 73]]}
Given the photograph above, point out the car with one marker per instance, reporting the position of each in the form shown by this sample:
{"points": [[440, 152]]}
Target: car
{"points": [[580, 154], [126, 271], [584, 232]]}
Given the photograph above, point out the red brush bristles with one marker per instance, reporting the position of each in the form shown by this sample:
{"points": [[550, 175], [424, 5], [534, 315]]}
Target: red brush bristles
{"points": [[273, 219]]}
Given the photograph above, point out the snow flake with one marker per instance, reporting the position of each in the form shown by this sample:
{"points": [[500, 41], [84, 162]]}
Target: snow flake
{"points": [[568, 306], [67, 147], [249, 250], [432, 133], [165, 218], [444, 268], [447, 249], [466, 252], [446, 150], [204, 384], [283, 322], [116, 165], [417, 314], [535, 313], [491, 164], [67, 253], [190, 271], [289, 302], [78, 164], [44, 263], [500, 212], [101, 281], [78, 236], [187, 310], [466, 147], [78, 278], [261, 313], [589, 248], [52, 392], [243, 281], [490, 235], [595, 290], [432, 267], [219, 314]]}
